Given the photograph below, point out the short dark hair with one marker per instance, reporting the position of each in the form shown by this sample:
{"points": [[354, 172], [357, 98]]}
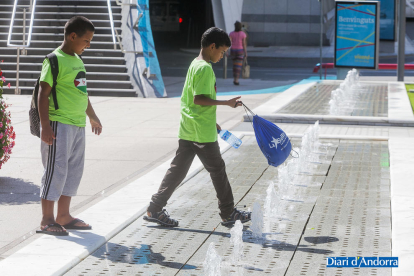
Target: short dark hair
{"points": [[79, 25], [237, 26], [217, 36]]}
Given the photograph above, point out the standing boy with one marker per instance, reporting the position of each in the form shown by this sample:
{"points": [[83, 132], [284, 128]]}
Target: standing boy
{"points": [[63, 130], [198, 134]]}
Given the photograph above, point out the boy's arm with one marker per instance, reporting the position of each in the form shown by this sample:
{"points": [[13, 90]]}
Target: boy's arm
{"points": [[47, 134], [95, 122], [203, 100], [203, 83]]}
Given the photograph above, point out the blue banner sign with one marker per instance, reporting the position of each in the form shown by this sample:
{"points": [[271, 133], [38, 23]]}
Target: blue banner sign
{"points": [[357, 34], [387, 20], [362, 262]]}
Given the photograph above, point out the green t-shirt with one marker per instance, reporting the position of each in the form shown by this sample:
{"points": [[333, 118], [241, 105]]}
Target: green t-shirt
{"points": [[71, 93], [198, 122]]}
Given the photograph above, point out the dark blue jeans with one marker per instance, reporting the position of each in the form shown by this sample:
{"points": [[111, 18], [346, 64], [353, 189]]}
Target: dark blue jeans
{"points": [[210, 156]]}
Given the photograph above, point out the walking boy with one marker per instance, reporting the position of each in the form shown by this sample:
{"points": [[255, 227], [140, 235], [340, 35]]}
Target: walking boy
{"points": [[198, 134], [63, 130]]}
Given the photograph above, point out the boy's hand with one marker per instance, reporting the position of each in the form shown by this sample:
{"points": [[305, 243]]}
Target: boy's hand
{"points": [[234, 102], [96, 125], [47, 134], [218, 126]]}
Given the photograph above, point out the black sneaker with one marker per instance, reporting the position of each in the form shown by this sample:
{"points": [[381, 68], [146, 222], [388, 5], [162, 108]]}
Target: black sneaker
{"points": [[162, 218], [237, 215]]}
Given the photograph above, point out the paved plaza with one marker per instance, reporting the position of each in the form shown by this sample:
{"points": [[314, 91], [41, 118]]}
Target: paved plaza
{"points": [[340, 208], [353, 200]]}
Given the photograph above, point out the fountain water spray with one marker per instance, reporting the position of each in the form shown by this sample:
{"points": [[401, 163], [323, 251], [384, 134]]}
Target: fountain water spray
{"points": [[257, 221], [290, 174], [237, 240], [271, 202], [212, 262], [344, 99]]}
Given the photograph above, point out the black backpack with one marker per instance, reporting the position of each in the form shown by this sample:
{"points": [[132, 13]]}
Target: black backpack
{"points": [[34, 109]]}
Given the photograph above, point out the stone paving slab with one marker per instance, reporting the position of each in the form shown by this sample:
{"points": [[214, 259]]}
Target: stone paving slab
{"points": [[373, 101], [313, 225], [349, 221], [385, 104]]}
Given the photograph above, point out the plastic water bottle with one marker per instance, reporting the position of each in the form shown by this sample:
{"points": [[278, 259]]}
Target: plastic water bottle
{"points": [[230, 138]]}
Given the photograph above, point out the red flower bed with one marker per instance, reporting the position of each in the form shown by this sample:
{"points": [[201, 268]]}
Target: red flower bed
{"points": [[7, 134]]}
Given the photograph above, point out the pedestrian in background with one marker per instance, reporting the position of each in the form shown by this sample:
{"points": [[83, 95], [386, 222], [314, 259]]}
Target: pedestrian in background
{"points": [[238, 50]]}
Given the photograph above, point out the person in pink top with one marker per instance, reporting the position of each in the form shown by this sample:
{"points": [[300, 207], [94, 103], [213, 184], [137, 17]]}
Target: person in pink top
{"points": [[238, 50]]}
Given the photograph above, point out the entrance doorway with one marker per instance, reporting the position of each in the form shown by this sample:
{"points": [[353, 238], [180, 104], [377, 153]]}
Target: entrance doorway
{"points": [[179, 23]]}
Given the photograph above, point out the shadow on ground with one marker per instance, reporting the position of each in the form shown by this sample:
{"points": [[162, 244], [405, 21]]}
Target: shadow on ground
{"points": [[268, 243], [15, 191]]}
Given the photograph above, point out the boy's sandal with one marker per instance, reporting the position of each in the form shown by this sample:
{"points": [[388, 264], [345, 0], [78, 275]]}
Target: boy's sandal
{"points": [[71, 225], [237, 215], [53, 233], [162, 218]]}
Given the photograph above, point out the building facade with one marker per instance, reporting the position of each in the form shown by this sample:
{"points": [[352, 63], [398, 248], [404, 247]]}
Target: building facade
{"points": [[287, 22]]}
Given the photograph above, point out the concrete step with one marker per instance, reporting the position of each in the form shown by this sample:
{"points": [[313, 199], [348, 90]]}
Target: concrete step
{"points": [[58, 22], [91, 75], [106, 71], [61, 15], [43, 3], [44, 51], [78, 2], [52, 29], [86, 59], [51, 36], [64, 8], [55, 44], [28, 90], [91, 83], [38, 67]]}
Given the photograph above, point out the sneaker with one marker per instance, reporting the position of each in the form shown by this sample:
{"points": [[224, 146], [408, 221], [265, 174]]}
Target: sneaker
{"points": [[237, 215], [162, 218]]}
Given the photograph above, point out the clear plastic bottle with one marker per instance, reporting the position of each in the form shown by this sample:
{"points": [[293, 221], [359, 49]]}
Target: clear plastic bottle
{"points": [[230, 138]]}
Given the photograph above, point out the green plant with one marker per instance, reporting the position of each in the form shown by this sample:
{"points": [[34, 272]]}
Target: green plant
{"points": [[410, 95]]}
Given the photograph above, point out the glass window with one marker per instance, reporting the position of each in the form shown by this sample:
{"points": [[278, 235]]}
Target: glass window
{"points": [[173, 9], [158, 9]]}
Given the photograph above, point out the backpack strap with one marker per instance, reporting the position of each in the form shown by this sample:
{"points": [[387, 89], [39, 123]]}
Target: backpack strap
{"points": [[55, 72]]}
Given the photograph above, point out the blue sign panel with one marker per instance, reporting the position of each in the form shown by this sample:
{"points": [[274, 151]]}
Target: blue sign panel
{"points": [[151, 59], [357, 34], [387, 20]]}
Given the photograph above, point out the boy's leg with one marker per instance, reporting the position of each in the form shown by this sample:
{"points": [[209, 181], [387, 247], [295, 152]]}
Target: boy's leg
{"points": [[174, 176], [54, 176], [55, 162], [210, 156], [64, 217], [76, 163], [48, 216]]}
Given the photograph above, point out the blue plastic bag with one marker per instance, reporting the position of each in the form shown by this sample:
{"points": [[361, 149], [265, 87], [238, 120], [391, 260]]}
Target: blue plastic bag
{"points": [[272, 140]]}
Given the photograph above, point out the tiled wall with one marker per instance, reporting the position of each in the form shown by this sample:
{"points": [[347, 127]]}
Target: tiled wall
{"points": [[283, 22]]}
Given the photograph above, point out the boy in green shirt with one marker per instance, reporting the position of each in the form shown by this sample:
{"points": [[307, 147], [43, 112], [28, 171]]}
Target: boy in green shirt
{"points": [[198, 134], [63, 129]]}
